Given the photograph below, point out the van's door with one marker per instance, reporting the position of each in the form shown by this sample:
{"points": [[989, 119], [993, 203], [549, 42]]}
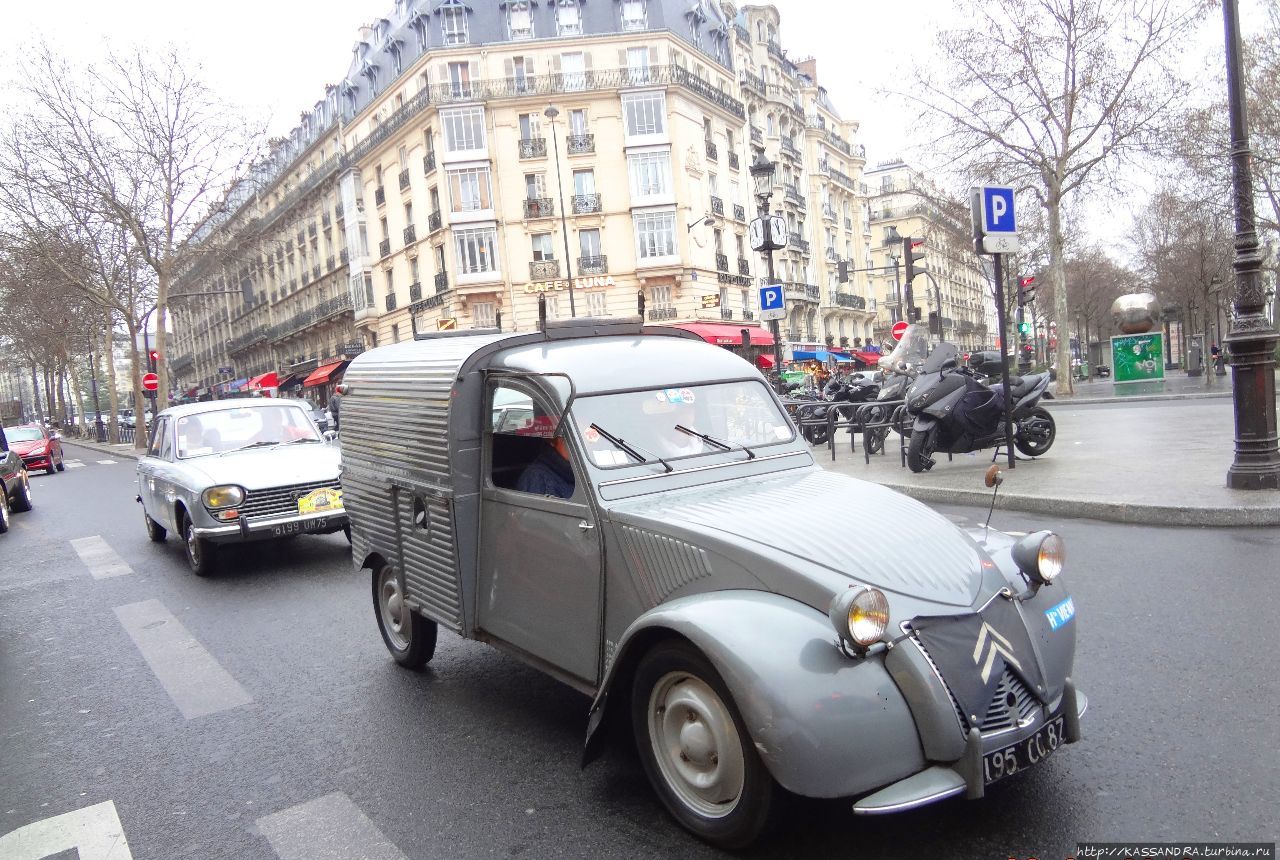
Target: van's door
{"points": [[539, 583]]}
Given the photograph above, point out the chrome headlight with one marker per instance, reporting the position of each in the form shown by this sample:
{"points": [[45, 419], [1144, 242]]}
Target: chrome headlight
{"points": [[860, 615], [1040, 556], [226, 496]]}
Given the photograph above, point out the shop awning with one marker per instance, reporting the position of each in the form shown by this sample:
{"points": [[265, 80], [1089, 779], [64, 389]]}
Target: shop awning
{"points": [[728, 334], [806, 355], [237, 385], [764, 361], [292, 381], [321, 374], [193, 392], [264, 380], [869, 357]]}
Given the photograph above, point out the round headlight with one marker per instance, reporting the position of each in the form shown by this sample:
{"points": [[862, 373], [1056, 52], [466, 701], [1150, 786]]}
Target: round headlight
{"points": [[860, 615], [223, 497], [1051, 557]]}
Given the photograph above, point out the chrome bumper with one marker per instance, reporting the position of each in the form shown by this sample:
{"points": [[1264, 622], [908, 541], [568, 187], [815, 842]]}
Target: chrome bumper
{"points": [[266, 528]]}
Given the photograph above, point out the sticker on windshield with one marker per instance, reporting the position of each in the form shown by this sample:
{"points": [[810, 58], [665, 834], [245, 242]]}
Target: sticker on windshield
{"points": [[782, 432], [676, 395], [591, 435], [609, 457]]}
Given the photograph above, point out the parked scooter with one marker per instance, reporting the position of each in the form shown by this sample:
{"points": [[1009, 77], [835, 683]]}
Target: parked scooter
{"points": [[899, 367], [955, 412], [838, 393]]}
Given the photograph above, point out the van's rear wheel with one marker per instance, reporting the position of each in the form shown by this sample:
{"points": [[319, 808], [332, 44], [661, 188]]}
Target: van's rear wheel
{"points": [[695, 749], [409, 637]]}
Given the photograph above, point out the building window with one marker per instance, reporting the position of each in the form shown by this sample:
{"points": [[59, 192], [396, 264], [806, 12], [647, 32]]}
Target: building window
{"points": [[596, 306], [463, 129], [520, 74], [568, 18], [633, 15], [520, 21], [578, 122], [584, 182], [477, 250], [655, 234], [553, 306], [469, 189], [453, 24], [638, 65], [460, 79], [646, 113], [661, 296], [650, 173], [484, 315], [535, 186], [395, 333], [530, 126], [573, 68], [543, 247], [589, 242]]}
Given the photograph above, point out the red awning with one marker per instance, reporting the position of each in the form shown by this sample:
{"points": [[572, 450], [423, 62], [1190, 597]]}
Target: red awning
{"points": [[321, 374], [869, 357], [728, 334], [764, 361], [265, 380]]}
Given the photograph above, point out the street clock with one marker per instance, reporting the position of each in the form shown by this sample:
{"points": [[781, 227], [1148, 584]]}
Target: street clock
{"points": [[768, 234]]}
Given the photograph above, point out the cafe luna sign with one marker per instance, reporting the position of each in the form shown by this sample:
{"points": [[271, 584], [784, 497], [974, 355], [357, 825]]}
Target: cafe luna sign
{"points": [[595, 282]]}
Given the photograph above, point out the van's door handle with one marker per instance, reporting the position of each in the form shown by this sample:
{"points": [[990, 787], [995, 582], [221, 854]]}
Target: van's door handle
{"points": [[586, 526]]}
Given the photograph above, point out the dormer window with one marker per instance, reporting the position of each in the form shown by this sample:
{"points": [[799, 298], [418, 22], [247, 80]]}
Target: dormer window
{"points": [[568, 18], [634, 16], [453, 22], [520, 21]]}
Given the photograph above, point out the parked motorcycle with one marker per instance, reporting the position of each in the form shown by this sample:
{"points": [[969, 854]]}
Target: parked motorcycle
{"points": [[899, 367], [955, 412], [838, 393]]}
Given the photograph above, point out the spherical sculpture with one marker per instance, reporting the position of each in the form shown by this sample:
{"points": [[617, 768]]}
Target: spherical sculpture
{"points": [[1136, 313]]}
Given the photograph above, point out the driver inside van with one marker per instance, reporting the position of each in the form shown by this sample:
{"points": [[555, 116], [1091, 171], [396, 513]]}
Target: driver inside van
{"points": [[549, 474]]}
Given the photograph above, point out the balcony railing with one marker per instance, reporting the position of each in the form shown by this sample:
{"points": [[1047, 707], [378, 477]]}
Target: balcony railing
{"points": [[739, 213], [533, 147], [338, 211], [404, 179], [315, 272], [744, 267], [415, 291], [792, 193], [757, 136], [380, 196], [391, 302], [428, 163], [410, 235], [326, 219], [722, 263], [345, 256], [434, 222], [713, 154], [311, 229], [726, 313], [734, 162], [539, 207], [579, 144], [329, 263], [828, 213], [717, 205], [384, 248], [544, 270], [844, 300], [593, 265], [662, 313], [806, 292], [442, 281], [752, 82], [586, 204], [748, 315], [799, 242], [789, 148]]}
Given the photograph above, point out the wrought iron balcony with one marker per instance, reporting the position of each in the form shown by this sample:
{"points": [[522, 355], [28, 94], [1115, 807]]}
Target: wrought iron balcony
{"points": [[533, 147], [338, 211], [739, 213], [722, 263], [789, 148], [748, 315], [344, 256], [845, 300], [391, 302], [586, 204], [384, 248], [717, 205], [792, 193], [434, 222], [329, 263], [415, 291], [404, 179], [713, 154], [539, 207], [311, 229], [726, 313], [793, 334], [326, 219], [544, 270], [442, 281], [744, 267], [380, 196], [428, 163], [593, 265], [579, 144], [828, 214], [662, 313], [315, 272], [410, 235], [734, 162], [799, 242], [757, 136], [727, 278]]}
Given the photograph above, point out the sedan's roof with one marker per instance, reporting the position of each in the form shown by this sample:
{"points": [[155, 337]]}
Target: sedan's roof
{"points": [[232, 403]]}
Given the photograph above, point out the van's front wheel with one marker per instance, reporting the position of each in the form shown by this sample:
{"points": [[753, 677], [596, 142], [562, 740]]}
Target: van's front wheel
{"points": [[409, 637]]}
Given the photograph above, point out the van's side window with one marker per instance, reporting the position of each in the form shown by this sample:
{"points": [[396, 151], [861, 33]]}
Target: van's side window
{"points": [[528, 453]]}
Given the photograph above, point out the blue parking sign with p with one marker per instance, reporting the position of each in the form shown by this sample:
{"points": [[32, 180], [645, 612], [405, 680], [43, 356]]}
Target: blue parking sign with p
{"points": [[997, 210], [771, 297]]}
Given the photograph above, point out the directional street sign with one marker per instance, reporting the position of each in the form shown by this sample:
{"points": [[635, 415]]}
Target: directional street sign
{"points": [[150, 382], [899, 329], [772, 307]]}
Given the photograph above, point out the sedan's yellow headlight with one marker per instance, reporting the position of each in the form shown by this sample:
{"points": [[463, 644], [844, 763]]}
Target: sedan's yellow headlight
{"points": [[223, 497], [860, 615]]}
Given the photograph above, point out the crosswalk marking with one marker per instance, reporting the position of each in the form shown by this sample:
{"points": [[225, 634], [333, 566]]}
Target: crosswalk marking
{"points": [[94, 832], [193, 678], [107, 462], [327, 828], [73, 464], [100, 558]]}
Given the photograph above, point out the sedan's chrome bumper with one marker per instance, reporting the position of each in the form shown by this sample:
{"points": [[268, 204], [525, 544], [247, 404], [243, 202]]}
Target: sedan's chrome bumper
{"points": [[265, 528]]}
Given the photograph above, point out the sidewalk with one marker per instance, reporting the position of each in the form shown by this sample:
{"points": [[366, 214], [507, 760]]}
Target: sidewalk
{"points": [[1140, 463], [122, 450]]}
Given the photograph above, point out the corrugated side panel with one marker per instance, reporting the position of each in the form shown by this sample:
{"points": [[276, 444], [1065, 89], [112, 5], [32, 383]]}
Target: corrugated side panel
{"points": [[660, 564], [430, 563]]}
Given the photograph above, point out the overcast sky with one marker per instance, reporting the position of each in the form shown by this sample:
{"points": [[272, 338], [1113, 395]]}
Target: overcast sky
{"points": [[273, 57]]}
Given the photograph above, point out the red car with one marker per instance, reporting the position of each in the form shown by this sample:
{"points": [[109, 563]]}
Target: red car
{"points": [[37, 447]]}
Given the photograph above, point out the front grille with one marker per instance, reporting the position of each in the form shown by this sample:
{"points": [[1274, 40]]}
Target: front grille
{"points": [[280, 501], [1011, 704]]}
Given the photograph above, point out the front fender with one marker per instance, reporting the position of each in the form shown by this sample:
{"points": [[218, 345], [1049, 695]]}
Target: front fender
{"points": [[923, 422], [825, 725]]}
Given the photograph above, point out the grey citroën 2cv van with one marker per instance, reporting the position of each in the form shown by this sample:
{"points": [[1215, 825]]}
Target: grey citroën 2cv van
{"points": [[653, 572]]}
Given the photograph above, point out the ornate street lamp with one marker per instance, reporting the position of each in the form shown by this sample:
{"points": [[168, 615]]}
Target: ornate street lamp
{"points": [[551, 113], [762, 170]]}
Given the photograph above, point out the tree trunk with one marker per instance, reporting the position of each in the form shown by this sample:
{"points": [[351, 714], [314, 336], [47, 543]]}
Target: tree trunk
{"points": [[162, 311], [1058, 285], [78, 392], [113, 398], [35, 393], [60, 377], [139, 400]]}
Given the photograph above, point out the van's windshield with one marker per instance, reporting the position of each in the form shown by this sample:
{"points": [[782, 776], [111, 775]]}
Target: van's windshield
{"points": [[732, 413]]}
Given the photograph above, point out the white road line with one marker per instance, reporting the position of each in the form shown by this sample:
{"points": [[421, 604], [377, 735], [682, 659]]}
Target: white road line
{"points": [[107, 462], [194, 680], [94, 832], [100, 558], [73, 465], [327, 828]]}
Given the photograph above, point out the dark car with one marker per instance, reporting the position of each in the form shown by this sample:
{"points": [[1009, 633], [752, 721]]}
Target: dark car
{"points": [[15, 490], [39, 447]]}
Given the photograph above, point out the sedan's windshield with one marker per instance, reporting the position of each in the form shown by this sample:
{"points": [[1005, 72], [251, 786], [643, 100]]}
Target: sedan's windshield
{"points": [[734, 413], [23, 434], [225, 430]]}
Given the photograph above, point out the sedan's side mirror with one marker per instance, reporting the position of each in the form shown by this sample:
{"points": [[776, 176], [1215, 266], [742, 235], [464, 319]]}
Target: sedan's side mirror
{"points": [[55, 435]]}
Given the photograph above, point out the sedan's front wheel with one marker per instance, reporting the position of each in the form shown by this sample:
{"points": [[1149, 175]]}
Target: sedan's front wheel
{"points": [[21, 500], [695, 749], [201, 554], [4, 510]]}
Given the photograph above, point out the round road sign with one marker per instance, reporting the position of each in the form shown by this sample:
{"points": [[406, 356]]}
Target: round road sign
{"points": [[899, 329], [150, 382]]}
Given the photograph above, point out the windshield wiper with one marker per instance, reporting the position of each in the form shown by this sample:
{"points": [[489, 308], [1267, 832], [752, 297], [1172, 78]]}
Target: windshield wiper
{"points": [[719, 443], [296, 441], [622, 445], [250, 445]]}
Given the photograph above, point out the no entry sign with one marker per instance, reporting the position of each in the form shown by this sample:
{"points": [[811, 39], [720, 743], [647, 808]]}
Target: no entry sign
{"points": [[898, 330], [150, 382]]}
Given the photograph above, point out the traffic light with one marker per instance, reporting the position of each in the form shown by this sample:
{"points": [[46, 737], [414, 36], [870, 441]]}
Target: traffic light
{"points": [[153, 359], [1024, 327], [910, 255], [915, 314], [842, 268], [1026, 290], [935, 323]]}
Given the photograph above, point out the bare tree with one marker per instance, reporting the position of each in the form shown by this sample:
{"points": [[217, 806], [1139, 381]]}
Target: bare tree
{"points": [[1047, 95]]}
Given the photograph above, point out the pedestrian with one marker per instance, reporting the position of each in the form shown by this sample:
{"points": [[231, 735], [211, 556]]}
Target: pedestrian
{"points": [[335, 402]]}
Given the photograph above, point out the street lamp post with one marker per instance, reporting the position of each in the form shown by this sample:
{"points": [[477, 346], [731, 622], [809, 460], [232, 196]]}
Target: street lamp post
{"points": [[551, 113], [762, 170], [99, 433], [1252, 339]]}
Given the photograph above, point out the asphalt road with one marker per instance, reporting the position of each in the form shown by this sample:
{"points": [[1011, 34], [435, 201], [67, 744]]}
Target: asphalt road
{"points": [[330, 746]]}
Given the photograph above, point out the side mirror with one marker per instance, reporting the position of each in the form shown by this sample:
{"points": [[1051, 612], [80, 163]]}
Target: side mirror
{"points": [[993, 477], [331, 435], [55, 435]]}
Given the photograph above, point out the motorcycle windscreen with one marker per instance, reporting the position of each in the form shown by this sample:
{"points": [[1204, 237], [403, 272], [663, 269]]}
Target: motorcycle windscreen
{"points": [[942, 353], [911, 350]]}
